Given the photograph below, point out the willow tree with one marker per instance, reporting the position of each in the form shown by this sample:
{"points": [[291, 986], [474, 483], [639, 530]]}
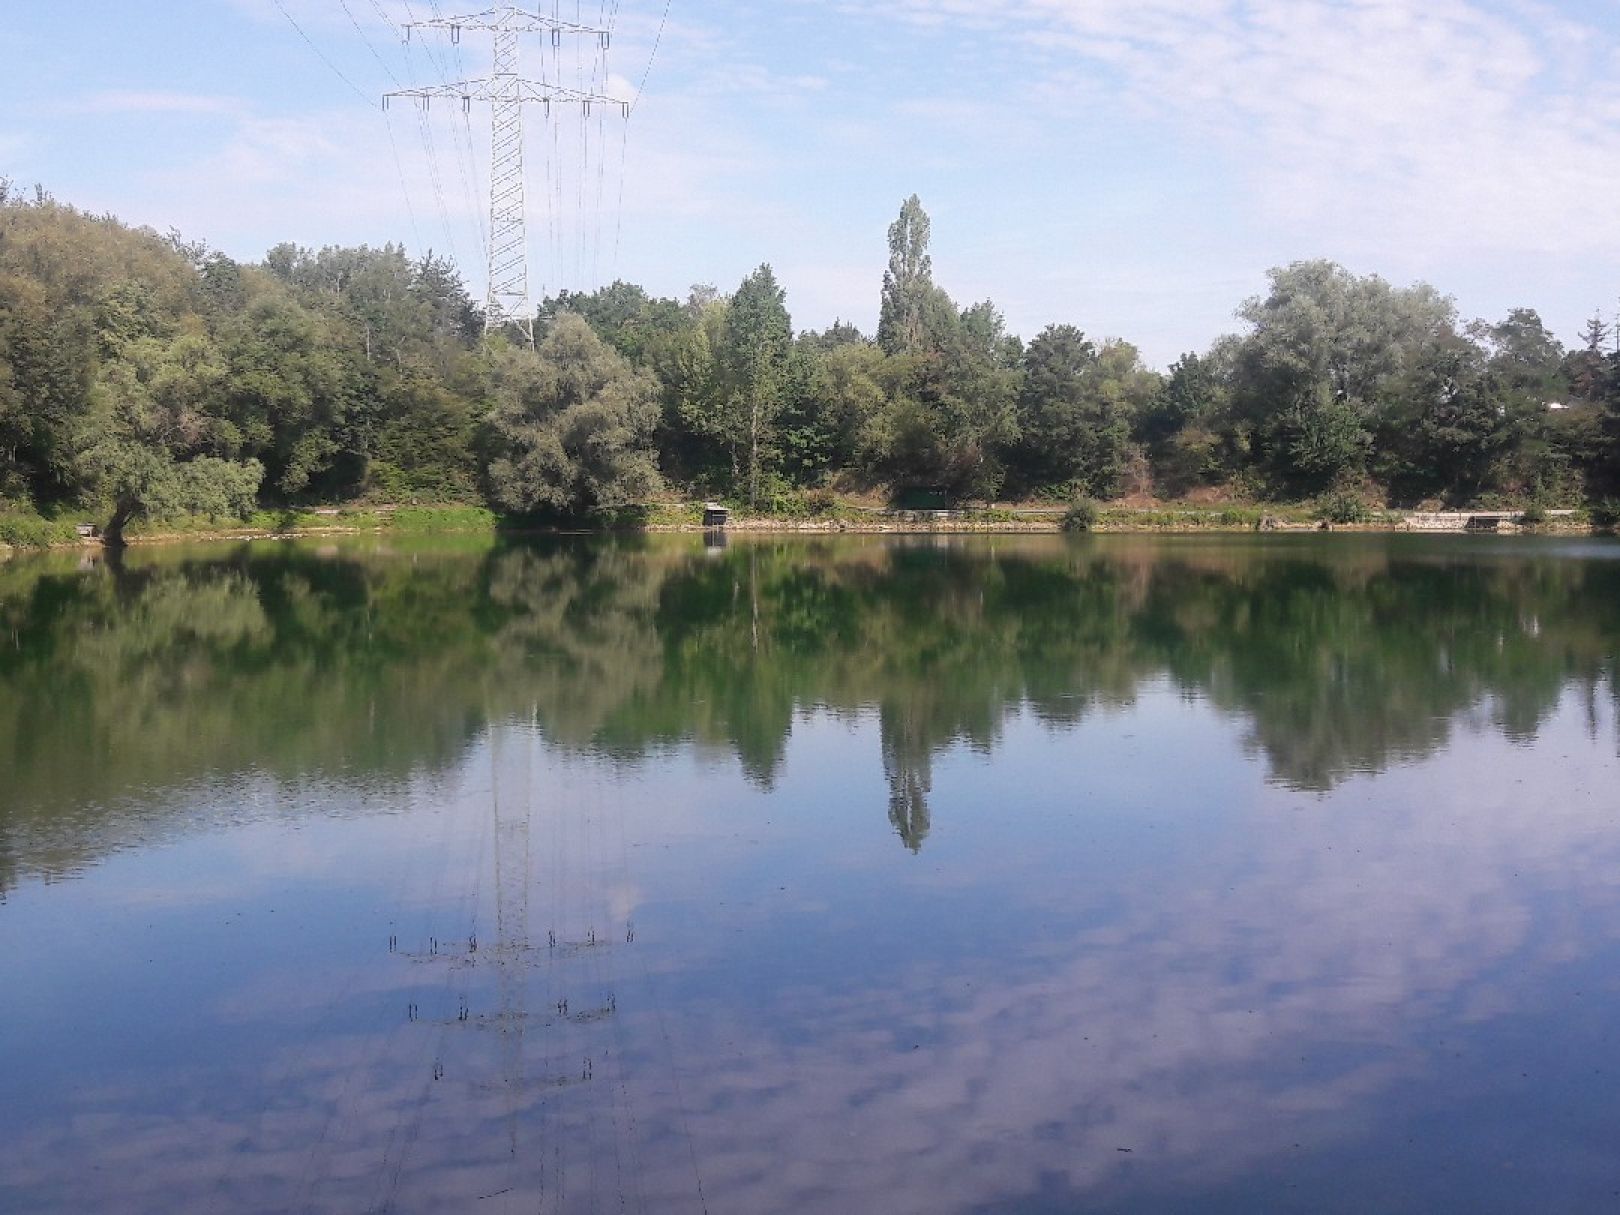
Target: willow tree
{"points": [[573, 425], [1322, 364]]}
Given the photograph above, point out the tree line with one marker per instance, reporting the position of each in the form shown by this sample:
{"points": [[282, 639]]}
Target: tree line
{"points": [[143, 374]]}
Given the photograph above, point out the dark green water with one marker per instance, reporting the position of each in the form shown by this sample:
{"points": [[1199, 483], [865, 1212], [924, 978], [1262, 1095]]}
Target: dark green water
{"points": [[890, 875]]}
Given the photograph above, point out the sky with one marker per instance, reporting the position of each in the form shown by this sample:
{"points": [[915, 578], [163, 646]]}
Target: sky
{"points": [[1132, 167]]}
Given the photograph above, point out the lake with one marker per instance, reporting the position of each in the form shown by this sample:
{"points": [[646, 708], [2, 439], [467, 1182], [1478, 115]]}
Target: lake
{"points": [[890, 874]]}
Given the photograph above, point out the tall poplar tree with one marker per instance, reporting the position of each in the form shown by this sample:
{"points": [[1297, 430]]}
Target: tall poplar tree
{"points": [[907, 283]]}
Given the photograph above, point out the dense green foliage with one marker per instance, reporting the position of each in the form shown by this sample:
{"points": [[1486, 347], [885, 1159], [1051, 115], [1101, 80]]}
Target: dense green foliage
{"points": [[573, 426], [145, 376]]}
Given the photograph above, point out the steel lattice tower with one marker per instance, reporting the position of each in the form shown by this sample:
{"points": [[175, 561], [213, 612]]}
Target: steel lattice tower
{"points": [[507, 301]]}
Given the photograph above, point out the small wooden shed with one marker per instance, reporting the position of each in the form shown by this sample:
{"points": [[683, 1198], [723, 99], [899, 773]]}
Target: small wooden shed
{"points": [[714, 515]]}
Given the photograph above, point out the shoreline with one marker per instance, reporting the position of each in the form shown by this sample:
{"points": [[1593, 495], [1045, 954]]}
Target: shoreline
{"points": [[828, 527]]}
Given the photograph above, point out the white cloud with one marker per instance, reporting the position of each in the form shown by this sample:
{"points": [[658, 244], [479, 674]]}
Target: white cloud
{"points": [[1373, 121]]}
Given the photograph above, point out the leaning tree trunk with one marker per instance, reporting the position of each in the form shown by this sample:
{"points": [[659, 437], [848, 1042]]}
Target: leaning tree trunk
{"points": [[113, 534]]}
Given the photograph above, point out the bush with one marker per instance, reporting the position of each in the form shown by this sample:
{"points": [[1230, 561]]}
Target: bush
{"points": [[672, 514], [1532, 516], [32, 531], [778, 499], [1605, 514], [1082, 515], [1342, 506], [821, 502]]}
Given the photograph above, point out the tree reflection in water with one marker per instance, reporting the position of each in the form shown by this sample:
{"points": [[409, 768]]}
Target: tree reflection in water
{"points": [[1338, 655]]}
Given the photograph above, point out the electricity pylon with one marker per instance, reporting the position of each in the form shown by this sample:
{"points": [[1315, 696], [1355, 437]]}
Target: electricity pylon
{"points": [[507, 301]]}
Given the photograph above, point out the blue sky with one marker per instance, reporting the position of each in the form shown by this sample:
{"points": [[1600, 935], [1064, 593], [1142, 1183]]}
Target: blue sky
{"points": [[1130, 166]]}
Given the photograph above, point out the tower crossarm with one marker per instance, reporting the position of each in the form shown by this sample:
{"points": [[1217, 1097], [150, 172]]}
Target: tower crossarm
{"points": [[509, 18], [508, 88]]}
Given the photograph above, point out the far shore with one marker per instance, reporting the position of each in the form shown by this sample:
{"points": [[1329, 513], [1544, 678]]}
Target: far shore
{"points": [[682, 520]]}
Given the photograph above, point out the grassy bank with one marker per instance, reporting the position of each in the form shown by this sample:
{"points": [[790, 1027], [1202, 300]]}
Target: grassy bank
{"points": [[24, 530], [318, 521], [19, 529]]}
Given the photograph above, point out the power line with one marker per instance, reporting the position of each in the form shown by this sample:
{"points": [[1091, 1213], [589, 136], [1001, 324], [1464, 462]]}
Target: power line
{"points": [[599, 78], [465, 156], [383, 13], [472, 156], [657, 42], [437, 180], [321, 55], [476, 188], [601, 194], [584, 166], [399, 167], [435, 175], [624, 151], [618, 214], [381, 62]]}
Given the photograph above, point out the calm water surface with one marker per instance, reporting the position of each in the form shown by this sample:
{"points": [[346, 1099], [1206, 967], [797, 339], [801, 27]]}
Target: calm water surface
{"points": [[890, 875]]}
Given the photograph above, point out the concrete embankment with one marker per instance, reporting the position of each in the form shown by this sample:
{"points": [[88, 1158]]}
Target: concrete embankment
{"points": [[1464, 521]]}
